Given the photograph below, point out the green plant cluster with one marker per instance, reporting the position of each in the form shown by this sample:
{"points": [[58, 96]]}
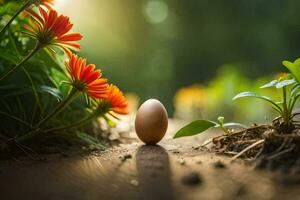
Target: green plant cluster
{"points": [[36, 88], [286, 84]]}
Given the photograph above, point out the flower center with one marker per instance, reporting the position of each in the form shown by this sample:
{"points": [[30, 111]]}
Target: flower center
{"points": [[79, 85], [104, 106], [45, 37]]}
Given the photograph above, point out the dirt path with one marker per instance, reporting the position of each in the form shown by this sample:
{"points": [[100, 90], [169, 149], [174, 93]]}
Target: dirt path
{"points": [[173, 170]]}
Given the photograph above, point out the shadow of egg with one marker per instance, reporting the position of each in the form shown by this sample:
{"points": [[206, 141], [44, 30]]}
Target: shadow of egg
{"points": [[154, 173]]}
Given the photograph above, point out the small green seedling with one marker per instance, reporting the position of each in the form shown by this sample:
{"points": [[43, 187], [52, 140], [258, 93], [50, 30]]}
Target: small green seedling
{"points": [[290, 93], [290, 87], [201, 125]]}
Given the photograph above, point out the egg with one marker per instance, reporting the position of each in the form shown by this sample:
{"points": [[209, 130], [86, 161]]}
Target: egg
{"points": [[151, 121]]}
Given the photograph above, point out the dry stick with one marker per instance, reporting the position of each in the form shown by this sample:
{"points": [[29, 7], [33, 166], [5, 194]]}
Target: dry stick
{"points": [[245, 141], [251, 128], [247, 149], [258, 153], [231, 152], [276, 119], [244, 130], [206, 143], [295, 114]]}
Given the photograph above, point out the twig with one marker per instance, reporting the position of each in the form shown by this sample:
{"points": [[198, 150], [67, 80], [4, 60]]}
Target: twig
{"points": [[247, 149], [206, 143], [251, 128], [231, 152], [245, 141], [295, 114], [258, 153], [240, 132], [276, 119]]}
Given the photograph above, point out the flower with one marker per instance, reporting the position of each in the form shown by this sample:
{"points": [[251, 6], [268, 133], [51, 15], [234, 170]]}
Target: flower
{"points": [[86, 78], [190, 102], [115, 101], [49, 28], [46, 3]]}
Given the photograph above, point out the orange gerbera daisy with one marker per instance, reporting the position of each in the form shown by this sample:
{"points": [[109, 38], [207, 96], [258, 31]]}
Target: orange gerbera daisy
{"points": [[49, 28], [86, 78], [115, 101], [46, 3]]}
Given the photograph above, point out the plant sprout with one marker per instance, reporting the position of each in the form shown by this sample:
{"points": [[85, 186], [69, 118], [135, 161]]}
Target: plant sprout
{"points": [[199, 126], [290, 93], [289, 84]]}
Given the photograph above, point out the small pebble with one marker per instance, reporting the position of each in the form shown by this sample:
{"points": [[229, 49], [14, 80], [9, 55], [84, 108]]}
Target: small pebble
{"points": [[219, 165], [181, 162], [192, 178], [196, 148], [199, 162], [83, 148], [125, 157], [134, 182]]}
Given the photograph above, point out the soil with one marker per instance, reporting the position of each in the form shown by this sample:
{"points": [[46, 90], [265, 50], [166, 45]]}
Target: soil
{"points": [[174, 169], [267, 145]]}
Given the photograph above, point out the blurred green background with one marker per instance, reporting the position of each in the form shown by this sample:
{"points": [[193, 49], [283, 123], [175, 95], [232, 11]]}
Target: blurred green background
{"points": [[155, 47]]}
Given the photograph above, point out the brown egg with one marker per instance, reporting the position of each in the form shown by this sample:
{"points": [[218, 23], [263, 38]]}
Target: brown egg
{"points": [[151, 121]]}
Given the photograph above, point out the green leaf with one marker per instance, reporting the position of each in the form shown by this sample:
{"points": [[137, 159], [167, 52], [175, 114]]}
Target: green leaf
{"points": [[194, 128], [230, 124], [295, 89], [279, 84], [284, 83], [90, 140], [270, 84], [50, 90], [294, 68], [255, 95], [221, 119]]}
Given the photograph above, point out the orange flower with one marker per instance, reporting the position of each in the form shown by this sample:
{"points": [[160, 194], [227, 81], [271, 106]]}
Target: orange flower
{"points": [[115, 101], [46, 3], [87, 78], [49, 28]]}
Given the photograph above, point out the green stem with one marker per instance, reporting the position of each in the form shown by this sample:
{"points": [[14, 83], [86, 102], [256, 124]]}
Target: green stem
{"points": [[14, 44], [14, 16], [56, 111], [59, 108], [36, 48], [15, 118], [285, 108], [74, 125]]}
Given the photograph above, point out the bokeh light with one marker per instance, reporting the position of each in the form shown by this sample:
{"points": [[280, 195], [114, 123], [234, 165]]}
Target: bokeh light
{"points": [[156, 11]]}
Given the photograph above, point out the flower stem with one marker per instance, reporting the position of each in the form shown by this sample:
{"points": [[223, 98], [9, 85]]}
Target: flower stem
{"points": [[36, 48], [286, 113], [59, 108], [74, 125], [56, 111], [14, 16]]}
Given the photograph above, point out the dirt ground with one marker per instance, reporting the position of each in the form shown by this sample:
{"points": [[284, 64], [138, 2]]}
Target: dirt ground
{"points": [[174, 169]]}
